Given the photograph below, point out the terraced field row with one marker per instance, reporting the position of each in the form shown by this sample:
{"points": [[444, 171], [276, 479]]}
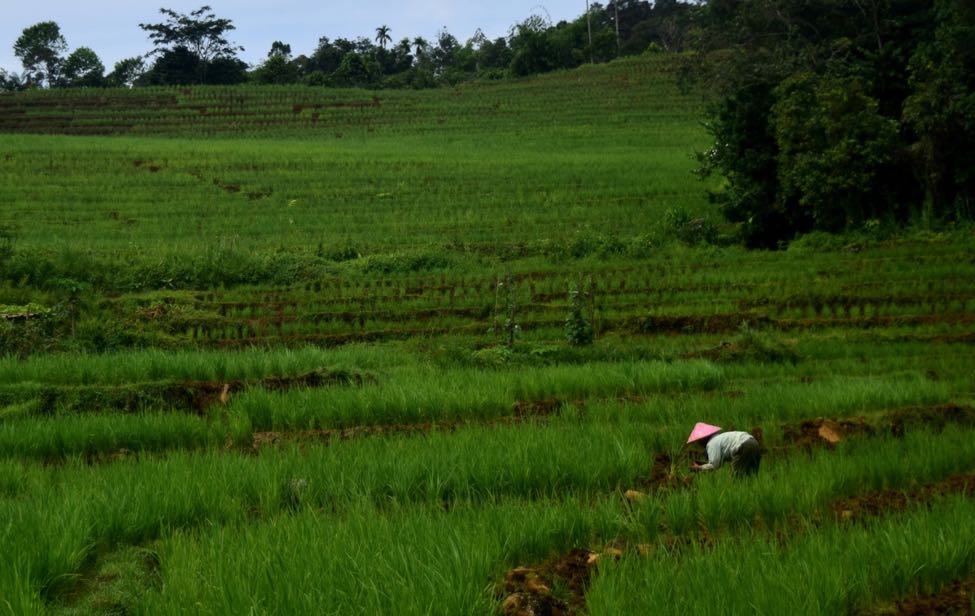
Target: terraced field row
{"points": [[614, 92]]}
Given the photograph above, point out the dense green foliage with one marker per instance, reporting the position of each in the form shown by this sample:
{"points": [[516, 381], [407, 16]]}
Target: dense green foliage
{"points": [[39, 48], [830, 116]]}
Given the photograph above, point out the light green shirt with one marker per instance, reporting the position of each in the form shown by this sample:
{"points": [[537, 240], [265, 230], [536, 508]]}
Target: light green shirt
{"points": [[722, 447]]}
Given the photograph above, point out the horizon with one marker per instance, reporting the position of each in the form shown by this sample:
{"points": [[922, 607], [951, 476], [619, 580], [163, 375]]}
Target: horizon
{"points": [[113, 32]]}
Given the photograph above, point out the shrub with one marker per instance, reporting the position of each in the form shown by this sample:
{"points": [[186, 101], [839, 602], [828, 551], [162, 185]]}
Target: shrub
{"points": [[689, 229], [405, 262], [578, 329]]}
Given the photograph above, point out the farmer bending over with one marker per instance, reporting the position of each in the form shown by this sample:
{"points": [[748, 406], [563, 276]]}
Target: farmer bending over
{"points": [[740, 448]]}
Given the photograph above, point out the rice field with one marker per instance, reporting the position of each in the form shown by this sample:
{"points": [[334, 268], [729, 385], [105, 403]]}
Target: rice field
{"points": [[292, 350]]}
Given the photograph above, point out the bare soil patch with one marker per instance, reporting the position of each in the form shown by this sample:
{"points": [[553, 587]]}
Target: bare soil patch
{"points": [[954, 598], [192, 396], [824, 432], [523, 410], [883, 502], [553, 588]]}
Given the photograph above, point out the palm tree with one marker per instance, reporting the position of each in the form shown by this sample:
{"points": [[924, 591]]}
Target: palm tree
{"points": [[420, 44], [382, 36]]}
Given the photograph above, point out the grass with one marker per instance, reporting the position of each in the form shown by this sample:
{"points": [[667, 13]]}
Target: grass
{"points": [[428, 395]]}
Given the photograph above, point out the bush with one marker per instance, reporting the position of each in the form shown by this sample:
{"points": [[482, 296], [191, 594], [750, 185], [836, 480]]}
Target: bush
{"points": [[689, 229], [405, 262], [578, 329]]}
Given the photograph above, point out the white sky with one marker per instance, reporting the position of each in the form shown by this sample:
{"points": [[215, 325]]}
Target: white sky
{"points": [[111, 27]]}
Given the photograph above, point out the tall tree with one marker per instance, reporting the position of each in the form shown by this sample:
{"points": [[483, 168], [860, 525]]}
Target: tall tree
{"points": [[201, 33], [421, 47], [10, 82], [279, 49], [39, 48], [445, 52], [532, 48], [807, 111], [83, 68], [941, 110], [279, 68], [126, 72], [383, 36]]}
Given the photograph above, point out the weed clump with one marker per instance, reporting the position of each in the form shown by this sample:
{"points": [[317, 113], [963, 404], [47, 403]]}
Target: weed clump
{"points": [[750, 345]]}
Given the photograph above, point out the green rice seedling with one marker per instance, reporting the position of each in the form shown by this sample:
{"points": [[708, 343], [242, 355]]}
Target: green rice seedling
{"points": [[196, 365], [428, 395], [828, 397], [681, 511], [407, 561], [66, 436], [134, 502], [744, 405], [18, 478], [19, 595], [40, 563], [815, 573]]}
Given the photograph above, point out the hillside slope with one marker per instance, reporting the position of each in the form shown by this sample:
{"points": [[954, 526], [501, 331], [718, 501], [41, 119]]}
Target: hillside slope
{"points": [[620, 93]]}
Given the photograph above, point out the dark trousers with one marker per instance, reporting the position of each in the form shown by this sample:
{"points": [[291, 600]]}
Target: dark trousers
{"points": [[745, 461]]}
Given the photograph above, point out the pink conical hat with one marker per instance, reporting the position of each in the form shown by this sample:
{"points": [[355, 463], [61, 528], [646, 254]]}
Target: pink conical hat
{"points": [[702, 430]]}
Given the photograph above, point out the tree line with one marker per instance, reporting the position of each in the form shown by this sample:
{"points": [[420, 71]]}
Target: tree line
{"points": [[836, 115], [194, 48]]}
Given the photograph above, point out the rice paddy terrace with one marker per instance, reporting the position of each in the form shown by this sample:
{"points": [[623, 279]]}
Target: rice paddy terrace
{"points": [[293, 350]]}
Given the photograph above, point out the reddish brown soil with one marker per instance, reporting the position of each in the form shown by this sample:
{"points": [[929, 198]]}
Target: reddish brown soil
{"points": [[883, 502], [711, 324], [968, 338], [195, 396], [663, 473], [954, 598], [523, 411], [535, 408], [201, 395], [19, 316], [722, 352], [809, 434], [265, 439], [934, 416], [528, 591], [824, 432], [875, 322]]}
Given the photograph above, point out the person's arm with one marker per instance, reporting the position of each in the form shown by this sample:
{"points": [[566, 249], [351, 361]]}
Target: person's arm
{"points": [[715, 457]]}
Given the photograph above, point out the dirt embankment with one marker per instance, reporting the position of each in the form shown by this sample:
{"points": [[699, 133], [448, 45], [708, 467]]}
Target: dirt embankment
{"points": [[522, 411], [189, 396], [824, 432], [954, 599], [555, 587], [884, 502]]}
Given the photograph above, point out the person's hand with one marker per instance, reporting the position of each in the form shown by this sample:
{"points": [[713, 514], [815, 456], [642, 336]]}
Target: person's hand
{"points": [[695, 466]]}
